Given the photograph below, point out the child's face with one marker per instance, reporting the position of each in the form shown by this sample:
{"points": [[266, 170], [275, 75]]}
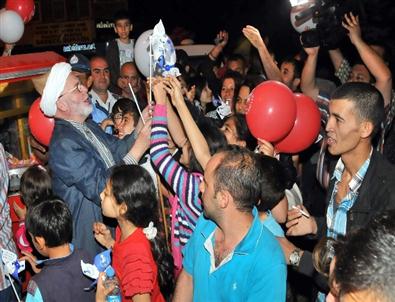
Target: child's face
{"points": [[109, 206], [127, 125], [123, 28]]}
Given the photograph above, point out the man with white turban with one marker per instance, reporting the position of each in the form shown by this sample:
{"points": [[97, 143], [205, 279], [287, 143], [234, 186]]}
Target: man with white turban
{"points": [[81, 154]]}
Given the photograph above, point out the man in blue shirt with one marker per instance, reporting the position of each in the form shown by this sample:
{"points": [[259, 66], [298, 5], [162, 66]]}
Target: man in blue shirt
{"points": [[231, 256]]}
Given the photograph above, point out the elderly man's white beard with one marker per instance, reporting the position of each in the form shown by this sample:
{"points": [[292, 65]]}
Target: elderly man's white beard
{"points": [[86, 111]]}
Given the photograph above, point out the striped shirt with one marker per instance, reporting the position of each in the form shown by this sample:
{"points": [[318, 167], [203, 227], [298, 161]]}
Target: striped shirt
{"points": [[187, 208], [6, 241]]}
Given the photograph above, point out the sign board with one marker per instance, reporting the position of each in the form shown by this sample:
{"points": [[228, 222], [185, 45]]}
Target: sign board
{"points": [[53, 34]]}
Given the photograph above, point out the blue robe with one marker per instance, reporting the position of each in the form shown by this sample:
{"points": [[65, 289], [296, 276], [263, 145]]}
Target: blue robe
{"points": [[79, 175]]}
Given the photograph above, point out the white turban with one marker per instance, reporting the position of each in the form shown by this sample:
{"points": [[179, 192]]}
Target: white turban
{"points": [[54, 87]]}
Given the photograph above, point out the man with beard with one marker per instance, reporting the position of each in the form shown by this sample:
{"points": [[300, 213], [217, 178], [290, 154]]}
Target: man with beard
{"points": [[81, 154]]}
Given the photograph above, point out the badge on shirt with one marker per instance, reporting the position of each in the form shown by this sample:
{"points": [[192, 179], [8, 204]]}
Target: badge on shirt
{"points": [[32, 287]]}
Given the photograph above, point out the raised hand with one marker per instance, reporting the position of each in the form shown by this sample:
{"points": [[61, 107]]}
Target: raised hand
{"points": [[253, 35], [265, 147], [351, 23], [102, 234], [311, 51], [158, 89], [222, 38], [173, 88]]}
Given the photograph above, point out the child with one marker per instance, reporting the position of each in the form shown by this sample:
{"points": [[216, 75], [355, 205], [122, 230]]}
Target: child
{"points": [[35, 186], [50, 226], [140, 258], [124, 118], [121, 50]]}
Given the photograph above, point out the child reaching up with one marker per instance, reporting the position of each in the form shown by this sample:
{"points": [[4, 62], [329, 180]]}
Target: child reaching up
{"points": [[140, 257]]}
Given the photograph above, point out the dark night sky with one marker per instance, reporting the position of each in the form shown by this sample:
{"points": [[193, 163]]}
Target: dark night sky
{"points": [[206, 17]]}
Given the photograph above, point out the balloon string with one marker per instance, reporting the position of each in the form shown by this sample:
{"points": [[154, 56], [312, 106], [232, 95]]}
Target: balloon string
{"points": [[137, 104], [13, 288], [150, 69]]}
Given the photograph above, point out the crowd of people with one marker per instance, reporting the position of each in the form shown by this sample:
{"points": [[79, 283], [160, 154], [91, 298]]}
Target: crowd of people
{"points": [[191, 205]]}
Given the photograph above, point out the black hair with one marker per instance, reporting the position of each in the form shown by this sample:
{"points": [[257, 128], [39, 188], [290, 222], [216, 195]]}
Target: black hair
{"points": [[368, 102], [359, 61], [125, 105], [242, 131], [50, 219], [35, 185], [214, 138], [132, 185], [199, 82], [237, 173], [252, 81], [365, 260], [121, 15], [237, 77], [238, 80], [237, 57], [298, 66], [272, 182]]}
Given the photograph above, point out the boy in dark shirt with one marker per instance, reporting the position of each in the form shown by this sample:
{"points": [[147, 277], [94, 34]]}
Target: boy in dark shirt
{"points": [[49, 224]]}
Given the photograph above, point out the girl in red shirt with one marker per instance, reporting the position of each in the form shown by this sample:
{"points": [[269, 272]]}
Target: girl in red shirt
{"points": [[140, 257]]}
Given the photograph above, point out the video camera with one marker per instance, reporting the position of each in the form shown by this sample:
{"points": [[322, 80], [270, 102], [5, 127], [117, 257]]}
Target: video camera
{"points": [[328, 16]]}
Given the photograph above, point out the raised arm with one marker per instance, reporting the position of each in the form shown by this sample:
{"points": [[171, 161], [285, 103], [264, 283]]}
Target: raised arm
{"points": [[271, 68], [308, 83], [174, 124], [371, 59], [184, 184], [196, 138], [336, 57], [222, 39]]}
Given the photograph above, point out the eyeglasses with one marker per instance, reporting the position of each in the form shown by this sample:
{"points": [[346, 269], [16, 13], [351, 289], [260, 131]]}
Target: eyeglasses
{"points": [[78, 87]]}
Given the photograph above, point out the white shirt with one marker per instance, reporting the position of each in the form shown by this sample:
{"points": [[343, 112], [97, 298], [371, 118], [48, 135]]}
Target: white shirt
{"points": [[126, 52]]}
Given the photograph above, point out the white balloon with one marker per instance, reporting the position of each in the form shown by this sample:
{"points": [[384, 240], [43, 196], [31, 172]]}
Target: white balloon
{"points": [[141, 53], [302, 17], [163, 53], [11, 26]]}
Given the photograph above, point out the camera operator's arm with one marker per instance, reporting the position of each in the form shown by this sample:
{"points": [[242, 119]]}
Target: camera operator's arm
{"points": [[340, 64], [371, 59], [271, 68], [308, 84]]}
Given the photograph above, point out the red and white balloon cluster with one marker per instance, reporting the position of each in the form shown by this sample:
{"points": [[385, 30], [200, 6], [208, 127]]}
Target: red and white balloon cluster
{"points": [[13, 19]]}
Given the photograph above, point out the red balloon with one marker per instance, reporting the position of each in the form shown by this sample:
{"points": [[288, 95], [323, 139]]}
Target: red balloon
{"points": [[271, 111], [306, 127], [40, 125], [25, 8]]}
